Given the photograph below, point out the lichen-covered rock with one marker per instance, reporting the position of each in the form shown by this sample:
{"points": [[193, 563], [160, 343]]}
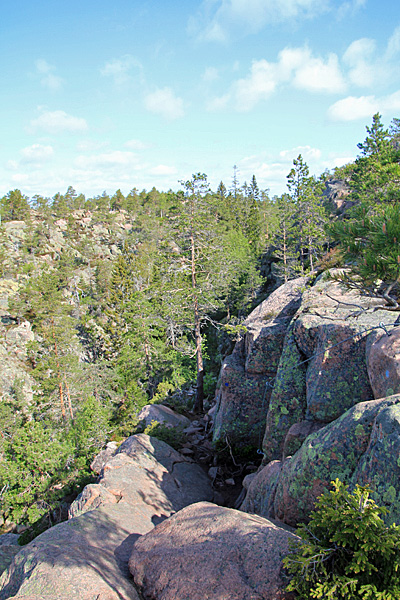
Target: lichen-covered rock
{"points": [[297, 434], [287, 403], [379, 467], [261, 491], [331, 329], [383, 362], [243, 393], [339, 450], [206, 551]]}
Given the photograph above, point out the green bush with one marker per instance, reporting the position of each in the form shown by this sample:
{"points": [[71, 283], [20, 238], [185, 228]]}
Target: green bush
{"points": [[170, 435], [347, 552]]}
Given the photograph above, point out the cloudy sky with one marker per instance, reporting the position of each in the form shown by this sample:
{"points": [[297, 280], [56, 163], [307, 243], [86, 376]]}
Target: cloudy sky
{"points": [[103, 95]]}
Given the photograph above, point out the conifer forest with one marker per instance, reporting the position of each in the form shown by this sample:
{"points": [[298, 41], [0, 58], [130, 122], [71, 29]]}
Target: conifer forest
{"points": [[128, 300]]}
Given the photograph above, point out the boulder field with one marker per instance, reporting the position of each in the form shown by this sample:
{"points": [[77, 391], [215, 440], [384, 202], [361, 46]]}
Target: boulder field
{"points": [[314, 384]]}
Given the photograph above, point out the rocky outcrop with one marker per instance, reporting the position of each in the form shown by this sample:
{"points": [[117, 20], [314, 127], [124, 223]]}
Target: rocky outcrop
{"points": [[243, 391], [144, 482], [206, 551], [162, 414], [362, 446], [383, 362], [8, 549], [335, 349]]}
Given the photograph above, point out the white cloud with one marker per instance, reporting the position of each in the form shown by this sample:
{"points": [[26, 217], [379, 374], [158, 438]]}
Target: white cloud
{"points": [[117, 158], [259, 85], [58, 121], [90, 145], [218, 103], [164, 102], [37, 154], [119, 68], [307, 152], [317, 75], [163, 170], [393, 47], [210, 74], [216, 19], [47, 76], [350, 7], [359, 58], [294, 66], [136, 145], [353, 108], [11, 165]]}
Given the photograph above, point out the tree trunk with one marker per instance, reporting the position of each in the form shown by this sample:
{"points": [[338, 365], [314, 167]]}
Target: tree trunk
{"points": [[199, 401]]}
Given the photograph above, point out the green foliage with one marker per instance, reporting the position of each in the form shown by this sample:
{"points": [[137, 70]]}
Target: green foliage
{"points": [[347, 552], [170, 435]]}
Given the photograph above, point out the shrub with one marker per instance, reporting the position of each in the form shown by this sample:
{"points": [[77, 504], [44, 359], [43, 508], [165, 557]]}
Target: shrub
{"points": [[347, 551], [170, 435]]}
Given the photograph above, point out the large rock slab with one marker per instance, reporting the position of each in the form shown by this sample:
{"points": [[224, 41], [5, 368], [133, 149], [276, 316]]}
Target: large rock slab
{"points": [[76, 559], [243, 392], [206, 551], [162, 414], [87, 557], [147, 476]]}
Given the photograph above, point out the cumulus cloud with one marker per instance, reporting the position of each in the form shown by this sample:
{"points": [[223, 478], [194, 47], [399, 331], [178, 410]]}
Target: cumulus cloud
{"points": [[46, 73], [164, 102], [317, 75], [58, 121], [297, 67], [363, 107], [258, 85], [359, 59], [119, 68], [37, 153], [216, 19]]}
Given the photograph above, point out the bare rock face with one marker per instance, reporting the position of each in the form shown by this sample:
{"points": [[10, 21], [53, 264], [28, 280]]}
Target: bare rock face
{"points": [[206, 551], [149, 477], [243, 393], [383, 361], [162, 414], [76, 559], [87, 557]]}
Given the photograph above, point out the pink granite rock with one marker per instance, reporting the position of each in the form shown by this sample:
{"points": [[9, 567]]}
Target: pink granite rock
{"points": [[383, 362], [206, 551]]}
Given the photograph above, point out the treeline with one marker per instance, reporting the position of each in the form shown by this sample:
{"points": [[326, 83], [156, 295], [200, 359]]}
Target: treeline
{"points": [[136, 299]]}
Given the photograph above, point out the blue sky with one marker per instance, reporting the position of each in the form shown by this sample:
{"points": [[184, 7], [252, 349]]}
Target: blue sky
{"points": [[106, 95]]}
